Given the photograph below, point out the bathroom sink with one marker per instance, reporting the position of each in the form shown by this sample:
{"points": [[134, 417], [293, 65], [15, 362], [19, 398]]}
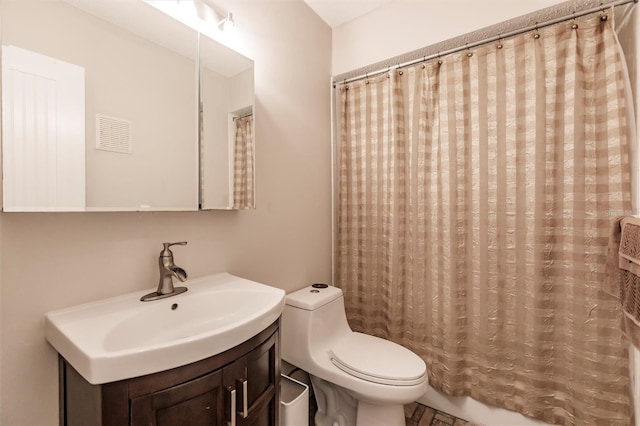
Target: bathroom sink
{"points": [[122, 337]]}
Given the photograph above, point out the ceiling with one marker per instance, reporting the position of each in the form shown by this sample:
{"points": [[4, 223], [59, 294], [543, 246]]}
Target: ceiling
{"points": [[337, 12]]}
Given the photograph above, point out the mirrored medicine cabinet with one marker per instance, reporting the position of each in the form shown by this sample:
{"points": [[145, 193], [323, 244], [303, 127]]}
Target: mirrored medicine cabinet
{"points": [[116, 106]]}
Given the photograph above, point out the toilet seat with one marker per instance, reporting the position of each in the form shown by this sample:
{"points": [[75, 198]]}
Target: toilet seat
{"points": [[378, 360]]}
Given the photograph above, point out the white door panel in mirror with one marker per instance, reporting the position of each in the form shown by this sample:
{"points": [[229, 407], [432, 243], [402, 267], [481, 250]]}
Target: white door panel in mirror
{"points": [[43, 139]]}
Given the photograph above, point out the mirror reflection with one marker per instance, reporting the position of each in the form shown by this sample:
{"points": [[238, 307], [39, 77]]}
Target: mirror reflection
{"points": [[227, 130], [103, 110], [137, 97]]}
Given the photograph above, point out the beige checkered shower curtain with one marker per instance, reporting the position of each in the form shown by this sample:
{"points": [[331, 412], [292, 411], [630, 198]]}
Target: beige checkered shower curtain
{"points": [[475, 202], [243, 190]]}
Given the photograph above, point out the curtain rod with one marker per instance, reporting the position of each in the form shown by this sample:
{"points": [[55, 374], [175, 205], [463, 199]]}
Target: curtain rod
{"points": [[239, 117], [487, 40]]}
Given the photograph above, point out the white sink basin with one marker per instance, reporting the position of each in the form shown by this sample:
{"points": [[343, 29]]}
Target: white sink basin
{"points": [[122, 337]]}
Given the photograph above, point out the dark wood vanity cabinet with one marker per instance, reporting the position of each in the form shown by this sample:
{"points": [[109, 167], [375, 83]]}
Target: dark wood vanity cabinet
{"points": [[237, 387]]}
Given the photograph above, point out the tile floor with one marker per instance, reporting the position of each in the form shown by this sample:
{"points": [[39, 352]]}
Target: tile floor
{"points": [[419, 415], [416, 415]]}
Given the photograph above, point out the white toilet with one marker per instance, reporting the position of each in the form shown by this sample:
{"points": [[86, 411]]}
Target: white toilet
{"points": [[357, 379]]}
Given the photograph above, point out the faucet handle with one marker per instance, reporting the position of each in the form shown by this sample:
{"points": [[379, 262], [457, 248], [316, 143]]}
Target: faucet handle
{"points": [[166, 252], [167, 245]]}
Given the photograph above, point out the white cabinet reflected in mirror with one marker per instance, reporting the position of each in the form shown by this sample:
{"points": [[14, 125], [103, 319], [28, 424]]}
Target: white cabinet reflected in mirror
{"points": [[227, 131], [111, 121]]}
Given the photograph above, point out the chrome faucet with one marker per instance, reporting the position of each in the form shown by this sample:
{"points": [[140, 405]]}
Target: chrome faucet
{"points": [[168, 271]]}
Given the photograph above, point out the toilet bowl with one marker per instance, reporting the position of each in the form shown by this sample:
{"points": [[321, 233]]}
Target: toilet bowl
{"points": [[357, 379]]}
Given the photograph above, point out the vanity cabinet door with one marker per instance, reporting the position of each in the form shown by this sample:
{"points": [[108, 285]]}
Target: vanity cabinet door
{"points": [[252, 379], [263, 378], [197, 402]]}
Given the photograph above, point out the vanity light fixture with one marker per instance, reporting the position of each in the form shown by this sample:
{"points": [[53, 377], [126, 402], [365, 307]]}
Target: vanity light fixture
{"points": [[227, 25], [207, 11]]}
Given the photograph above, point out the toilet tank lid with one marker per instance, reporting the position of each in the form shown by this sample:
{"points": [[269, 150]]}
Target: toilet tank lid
{"points": [[310, 298]]}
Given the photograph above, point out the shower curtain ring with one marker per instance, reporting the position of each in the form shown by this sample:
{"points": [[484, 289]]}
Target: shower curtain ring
{"points": [[575, 25], [536, 35], [499, 46]]}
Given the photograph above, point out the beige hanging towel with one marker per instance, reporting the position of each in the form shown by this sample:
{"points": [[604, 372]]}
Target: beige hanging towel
{"points": [[622, 278]]}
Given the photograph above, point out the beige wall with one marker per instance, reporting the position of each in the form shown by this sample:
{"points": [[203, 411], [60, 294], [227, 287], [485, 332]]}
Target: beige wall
{"points": [[50, 261], [241, 91], [406, 25]]}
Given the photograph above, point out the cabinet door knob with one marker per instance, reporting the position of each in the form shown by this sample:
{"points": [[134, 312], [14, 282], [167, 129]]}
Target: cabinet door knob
{"points": [[232, 409], [242, 385]]}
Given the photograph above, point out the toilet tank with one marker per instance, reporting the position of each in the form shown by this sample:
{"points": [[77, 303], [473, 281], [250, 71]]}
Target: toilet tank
{"points": [[313, 297], [312, 319]]}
